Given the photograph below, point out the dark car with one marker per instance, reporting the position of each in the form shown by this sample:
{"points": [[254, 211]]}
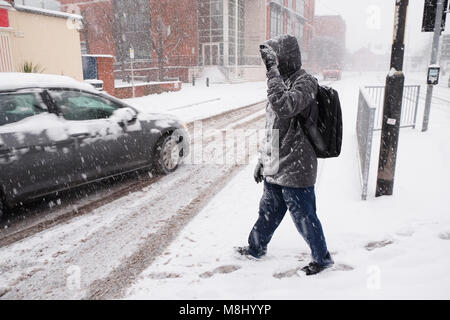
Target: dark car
{"points": [[57, 133], [332, 72]]}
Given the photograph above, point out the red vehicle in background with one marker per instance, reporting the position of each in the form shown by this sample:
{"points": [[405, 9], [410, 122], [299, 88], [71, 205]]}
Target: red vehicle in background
{"points": [[332, 72]]}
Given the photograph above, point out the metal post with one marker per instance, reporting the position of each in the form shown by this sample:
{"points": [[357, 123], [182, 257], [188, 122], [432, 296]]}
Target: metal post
{"points": [[132, 78], [417, 106], [393, 98], [236, 36], [434, 56]]}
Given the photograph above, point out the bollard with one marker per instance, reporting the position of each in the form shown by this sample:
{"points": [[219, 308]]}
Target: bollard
{"points": [[207, 82], [193, 81]]}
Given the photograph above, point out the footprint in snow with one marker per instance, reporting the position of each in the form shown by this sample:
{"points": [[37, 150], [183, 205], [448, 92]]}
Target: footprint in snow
{"points": [[298, 271], [164, 275], [378, 244], [220, 270], [342, 267], [288, 274], [444, 235], [407, 232]]}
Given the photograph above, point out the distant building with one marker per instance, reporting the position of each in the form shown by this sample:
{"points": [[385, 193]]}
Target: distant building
{"points": [[329, 43], [333, 26], [45, 38], [366, 60]]}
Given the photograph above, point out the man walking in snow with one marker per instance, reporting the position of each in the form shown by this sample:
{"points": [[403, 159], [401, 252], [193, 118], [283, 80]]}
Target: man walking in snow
{"points": [[288, 163]]}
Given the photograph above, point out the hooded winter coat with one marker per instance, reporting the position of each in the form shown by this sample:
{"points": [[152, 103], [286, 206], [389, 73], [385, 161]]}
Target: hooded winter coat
{"points": [[287, 156]]}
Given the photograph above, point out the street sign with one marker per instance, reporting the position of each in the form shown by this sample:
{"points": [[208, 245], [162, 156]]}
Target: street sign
{"points": [[429, 15], [433, 75], [131, 53]]}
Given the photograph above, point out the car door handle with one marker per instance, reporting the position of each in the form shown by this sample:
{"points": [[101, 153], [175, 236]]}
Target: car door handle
{"points": [[80, 136]]}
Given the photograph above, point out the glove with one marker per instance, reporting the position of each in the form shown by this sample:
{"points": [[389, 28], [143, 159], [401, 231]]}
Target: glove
{"points": [[258, 173], [269, 56]]}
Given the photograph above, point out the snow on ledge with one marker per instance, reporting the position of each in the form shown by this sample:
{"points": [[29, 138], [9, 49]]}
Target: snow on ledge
{"points": [[4, 4], [47, 12]]}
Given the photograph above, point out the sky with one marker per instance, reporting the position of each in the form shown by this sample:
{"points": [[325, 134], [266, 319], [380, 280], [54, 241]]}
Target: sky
{"points": [[370, 22]]}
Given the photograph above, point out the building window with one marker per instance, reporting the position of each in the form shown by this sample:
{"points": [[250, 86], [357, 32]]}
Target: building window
{"points": [[276, 22], [299, 32], [300, 7], [232, 31]]}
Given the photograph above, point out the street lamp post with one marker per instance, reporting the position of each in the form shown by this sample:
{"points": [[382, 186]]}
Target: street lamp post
{"points": [[392, 105]]}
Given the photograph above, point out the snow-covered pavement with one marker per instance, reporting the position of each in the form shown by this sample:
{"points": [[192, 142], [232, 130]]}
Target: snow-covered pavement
{"points": [[199, 102], [386, 248]]}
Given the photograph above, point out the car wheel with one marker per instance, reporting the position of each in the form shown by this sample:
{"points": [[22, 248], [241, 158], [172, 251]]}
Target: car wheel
{"points": [[168, 156]]}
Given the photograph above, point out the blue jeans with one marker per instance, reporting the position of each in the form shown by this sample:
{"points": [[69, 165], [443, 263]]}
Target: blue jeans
{"points": [[301, 203]]}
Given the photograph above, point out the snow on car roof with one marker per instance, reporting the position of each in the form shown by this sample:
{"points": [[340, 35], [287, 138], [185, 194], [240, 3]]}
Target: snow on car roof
{"points": [[15, 81]]}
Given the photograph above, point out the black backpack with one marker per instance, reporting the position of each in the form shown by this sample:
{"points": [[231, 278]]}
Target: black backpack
{"points": [[322, 123]]}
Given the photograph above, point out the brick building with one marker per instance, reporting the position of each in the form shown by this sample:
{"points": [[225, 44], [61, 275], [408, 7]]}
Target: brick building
{"points": [[331, 26], [308, 33], [161, 33], [195, 34]]}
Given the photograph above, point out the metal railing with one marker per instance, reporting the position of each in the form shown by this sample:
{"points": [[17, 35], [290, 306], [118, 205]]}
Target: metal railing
{"points": [[364, 132], [410, 105], [370, 119]]}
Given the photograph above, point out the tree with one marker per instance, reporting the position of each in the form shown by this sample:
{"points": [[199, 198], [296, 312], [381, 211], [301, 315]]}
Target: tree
{"points": [[168, 31]]}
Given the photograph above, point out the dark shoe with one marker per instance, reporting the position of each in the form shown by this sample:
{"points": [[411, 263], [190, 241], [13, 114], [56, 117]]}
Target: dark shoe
{"points": [[314, 268], [249, 252]]}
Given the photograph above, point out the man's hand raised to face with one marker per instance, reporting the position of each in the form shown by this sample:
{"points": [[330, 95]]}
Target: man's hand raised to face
{"points": [[269, 56]]}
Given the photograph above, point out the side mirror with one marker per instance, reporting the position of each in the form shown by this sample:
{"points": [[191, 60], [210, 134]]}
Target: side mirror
{"points": [[125, 115]]}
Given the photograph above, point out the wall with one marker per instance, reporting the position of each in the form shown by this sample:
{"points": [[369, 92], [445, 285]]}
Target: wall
{"points": [[308, 31], [98, 19], [105, 67], [255, 30], [147, 89], [46, 41]]}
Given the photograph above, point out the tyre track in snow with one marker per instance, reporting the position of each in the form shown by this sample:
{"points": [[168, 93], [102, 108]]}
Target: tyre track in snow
{"points": [[45, 215], [111, 242]]}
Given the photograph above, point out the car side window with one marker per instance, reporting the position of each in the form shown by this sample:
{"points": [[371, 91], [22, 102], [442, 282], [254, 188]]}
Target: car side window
{"points": [[79, 106], [15, 107]]}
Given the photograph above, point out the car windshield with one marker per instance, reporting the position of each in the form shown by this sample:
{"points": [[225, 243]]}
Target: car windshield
{"points": [[18, 106]]}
